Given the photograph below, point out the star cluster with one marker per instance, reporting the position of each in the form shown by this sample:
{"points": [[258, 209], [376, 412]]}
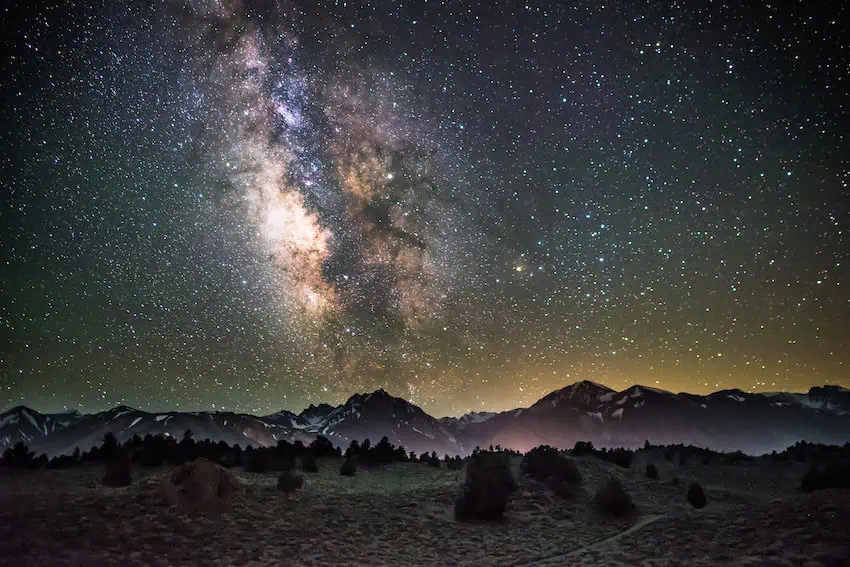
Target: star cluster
{"points": [[252, 205]]}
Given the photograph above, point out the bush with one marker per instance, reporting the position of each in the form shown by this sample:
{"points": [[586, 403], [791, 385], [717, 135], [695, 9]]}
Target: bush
{"points": [[200, 485], [118, 471], [696, 496], [835, 474], [545, 462], [488, 487], [434, 460], [548, 465], [349, 467], [455, 464], [288, 481], [651, 471], [612, 499], [309, 463]]}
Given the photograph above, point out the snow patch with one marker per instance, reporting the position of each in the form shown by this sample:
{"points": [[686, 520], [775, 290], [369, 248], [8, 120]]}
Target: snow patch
{"points": [[640, 403], [623, 400], [135, 421], [736, 397], [161, 417], [517, 412], [596, 415], [119, 414], [12, 418], [618, 413], [703, 406], [428, 435], [30, 418], [604, 398]]}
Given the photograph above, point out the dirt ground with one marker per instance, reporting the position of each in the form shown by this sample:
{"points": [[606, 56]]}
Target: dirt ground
{"points": [[402, 515]]}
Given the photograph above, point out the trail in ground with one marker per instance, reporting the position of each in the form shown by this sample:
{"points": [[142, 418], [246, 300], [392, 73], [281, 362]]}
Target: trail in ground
{"points": [[561, 556], [637, 526]]}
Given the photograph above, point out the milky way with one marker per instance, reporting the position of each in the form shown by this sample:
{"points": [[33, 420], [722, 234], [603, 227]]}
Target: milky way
{"points": [[255, 205]]}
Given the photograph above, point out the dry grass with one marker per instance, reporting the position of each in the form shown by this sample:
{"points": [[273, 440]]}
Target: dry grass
{"points": [[402, 515]]}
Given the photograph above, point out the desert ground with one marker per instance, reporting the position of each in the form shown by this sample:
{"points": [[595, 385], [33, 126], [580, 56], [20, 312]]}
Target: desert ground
{"points": [[402, 514]]}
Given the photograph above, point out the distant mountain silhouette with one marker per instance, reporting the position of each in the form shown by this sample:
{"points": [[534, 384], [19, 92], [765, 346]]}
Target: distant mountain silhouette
{"points": [[727, 420]]}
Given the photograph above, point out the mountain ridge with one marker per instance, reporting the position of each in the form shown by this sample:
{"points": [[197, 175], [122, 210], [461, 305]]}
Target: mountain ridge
{"points": [[729, 419]]}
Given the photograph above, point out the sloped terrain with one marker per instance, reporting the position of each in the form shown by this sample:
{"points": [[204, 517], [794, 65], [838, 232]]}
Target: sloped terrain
{"points": [[402, 515]]}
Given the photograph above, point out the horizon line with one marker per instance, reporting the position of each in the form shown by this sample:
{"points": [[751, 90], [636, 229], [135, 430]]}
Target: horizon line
{"points": [[10, 408]]}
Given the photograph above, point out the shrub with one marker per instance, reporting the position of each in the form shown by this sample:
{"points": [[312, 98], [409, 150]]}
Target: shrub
{"points": [[434, 460], [118, 470], [200, 486], [834, 474], [488, 487], [544, 462], [349, 467], [288, 481], [455, 464], [612, 499], [651, 471], [548, 465], [696, 496], [309, 463]]}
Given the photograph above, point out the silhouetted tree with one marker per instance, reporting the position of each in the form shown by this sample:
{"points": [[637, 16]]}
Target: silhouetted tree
{"points": [[322, 447], [110, 445], [583, 448], [383, 451], [18, 456], [353, 449]]}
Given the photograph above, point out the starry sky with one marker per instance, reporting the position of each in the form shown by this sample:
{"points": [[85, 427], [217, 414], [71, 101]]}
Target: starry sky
{"points": [[257, 204]]}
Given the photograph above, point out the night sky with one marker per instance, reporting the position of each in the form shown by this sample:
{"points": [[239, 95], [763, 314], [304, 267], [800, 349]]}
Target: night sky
{"points": [[260, 205]]}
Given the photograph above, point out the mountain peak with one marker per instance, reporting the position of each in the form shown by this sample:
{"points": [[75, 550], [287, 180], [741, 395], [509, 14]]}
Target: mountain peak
{"points": [[586, 394]]}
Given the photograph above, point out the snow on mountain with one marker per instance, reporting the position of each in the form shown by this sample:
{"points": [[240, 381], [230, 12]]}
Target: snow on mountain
{"points": [[378, 414], [456, 425], [584, 411], [24, 424], [584, 395]]}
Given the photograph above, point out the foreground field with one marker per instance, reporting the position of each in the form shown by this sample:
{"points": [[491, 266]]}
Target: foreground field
{"points": [[402, 515]]}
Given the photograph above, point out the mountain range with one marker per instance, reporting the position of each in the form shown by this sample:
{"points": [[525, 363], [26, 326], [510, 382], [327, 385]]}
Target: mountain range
{"points": [[727, 420]]}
